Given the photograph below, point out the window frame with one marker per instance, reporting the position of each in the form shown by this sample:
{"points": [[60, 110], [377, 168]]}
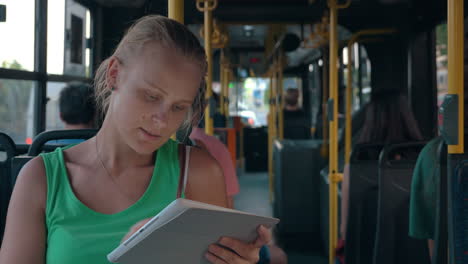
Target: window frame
{"points": [[40, 75]]}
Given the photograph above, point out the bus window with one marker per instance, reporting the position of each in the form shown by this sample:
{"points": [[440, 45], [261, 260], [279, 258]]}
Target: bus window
{"points": [[17, 109], [365, 65], [53, 121], [17, 41], [68, 28], [441, 62], [250, 101]]}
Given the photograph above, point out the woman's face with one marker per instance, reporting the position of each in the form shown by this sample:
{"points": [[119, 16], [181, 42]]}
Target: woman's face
{"points": [[153, 96]]}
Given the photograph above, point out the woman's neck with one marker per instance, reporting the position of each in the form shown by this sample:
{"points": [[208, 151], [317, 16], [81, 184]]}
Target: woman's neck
{"points": [[115, 152]]}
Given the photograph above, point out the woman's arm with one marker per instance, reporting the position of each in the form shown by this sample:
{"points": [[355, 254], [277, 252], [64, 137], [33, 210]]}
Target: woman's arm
{"points": [[205, 181], [24, 241]]}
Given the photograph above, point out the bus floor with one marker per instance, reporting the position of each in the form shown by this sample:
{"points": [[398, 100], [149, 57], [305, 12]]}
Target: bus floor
{"points": [[254, 198]]}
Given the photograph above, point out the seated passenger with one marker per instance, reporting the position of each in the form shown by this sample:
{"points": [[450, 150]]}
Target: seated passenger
{"points": [[77, 106], [389, 119], [221, 154], [88, 196], [77, 109], [425, 183]]}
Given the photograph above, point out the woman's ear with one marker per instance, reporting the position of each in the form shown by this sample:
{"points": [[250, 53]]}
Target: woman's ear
{"points": [[113, 69]]}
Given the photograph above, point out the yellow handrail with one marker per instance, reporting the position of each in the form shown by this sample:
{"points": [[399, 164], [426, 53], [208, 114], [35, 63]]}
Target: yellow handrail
{"points": [[333, 174], [273, 130], [279, 69], [455, 26], [222, 76], [348, 126], [208, 7], [176, 10]]}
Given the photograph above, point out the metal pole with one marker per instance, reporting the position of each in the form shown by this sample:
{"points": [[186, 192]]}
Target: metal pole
{"points": [[333, 106], [281, 97], [271, 136], [209, 75], [176, 10], [455, 66], [208, 7]]}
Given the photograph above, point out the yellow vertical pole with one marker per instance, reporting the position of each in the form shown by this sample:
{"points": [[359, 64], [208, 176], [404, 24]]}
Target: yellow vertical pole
{"points": [[333, 147], [456, 65], [334, 175], [271, 132], [325, 92], [222, 82], [176, 10], [281, 97], [227, 79], [208, 7], [209, 75]]}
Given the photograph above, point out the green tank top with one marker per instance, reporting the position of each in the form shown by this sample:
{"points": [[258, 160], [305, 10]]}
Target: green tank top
{"points": [[77, 234]]}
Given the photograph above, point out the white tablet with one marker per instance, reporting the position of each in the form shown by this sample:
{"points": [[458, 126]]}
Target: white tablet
{"points": [[182, 232]]}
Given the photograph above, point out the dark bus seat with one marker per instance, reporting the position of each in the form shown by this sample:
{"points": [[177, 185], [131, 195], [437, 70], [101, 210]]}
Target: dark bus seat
{"points": [[440, 254], [362, 208], [392, 243], [297, 171], [39, 143], [457, 206], [8, 147], [255, 149]]}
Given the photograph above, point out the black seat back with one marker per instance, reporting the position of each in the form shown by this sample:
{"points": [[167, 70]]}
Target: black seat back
{"points": [[39, 142], [457, 206], [392, 243], [440, 255], [297, 165], [8, 147], [362, 208]]}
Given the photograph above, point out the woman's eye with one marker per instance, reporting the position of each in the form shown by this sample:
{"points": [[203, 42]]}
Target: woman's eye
{"points": [[179, 108], [152, 97]]}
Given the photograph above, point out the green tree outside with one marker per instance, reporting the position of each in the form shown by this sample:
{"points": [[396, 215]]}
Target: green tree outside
{"points": [[14, 100]]}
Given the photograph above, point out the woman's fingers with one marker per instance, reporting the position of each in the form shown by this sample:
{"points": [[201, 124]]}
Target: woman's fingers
{"points": [[264, 237], [245, 250], [214, 259], [226, 255]]}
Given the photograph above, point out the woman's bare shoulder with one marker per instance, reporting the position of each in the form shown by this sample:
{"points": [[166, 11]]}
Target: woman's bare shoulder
{"points": [[206, 180]]}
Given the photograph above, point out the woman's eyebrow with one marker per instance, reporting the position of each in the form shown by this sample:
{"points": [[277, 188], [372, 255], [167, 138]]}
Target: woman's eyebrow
{"points": [[152, 85]]}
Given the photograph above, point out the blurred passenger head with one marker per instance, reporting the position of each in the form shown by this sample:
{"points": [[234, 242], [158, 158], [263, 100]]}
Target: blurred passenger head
{"points": [[389, 119], [291, 98], [77, 105]]}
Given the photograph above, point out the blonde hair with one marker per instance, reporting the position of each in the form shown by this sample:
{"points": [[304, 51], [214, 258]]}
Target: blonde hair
{"points": [[168, 33]]}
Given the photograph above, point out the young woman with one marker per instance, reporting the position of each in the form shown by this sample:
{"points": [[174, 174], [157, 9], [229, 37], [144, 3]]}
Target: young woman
{"points": [[389, 119], [75, 205]]}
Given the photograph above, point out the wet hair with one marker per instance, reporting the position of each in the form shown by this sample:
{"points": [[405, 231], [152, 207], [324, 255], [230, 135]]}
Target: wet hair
{"points": [[291, 97], [389, 119], [167, 33], [76, 104]]}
